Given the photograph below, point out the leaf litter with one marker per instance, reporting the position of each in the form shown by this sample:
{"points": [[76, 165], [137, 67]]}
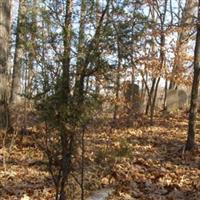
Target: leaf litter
{"points": [[143, 162]]}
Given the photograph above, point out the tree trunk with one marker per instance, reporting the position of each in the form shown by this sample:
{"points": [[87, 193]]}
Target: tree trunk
{"points": [[67, 34], [154, 100], [18, 56], [66, 136], [97, 13], [117, 81], [150, 96], [190, 143], [32, 49], [181, 43], [5, 9], [165, 95], [80, 67], [162, 56]]}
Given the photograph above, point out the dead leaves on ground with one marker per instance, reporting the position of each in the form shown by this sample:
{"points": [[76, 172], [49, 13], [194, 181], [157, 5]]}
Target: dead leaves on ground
{"points": [[139, 163], [146, 163]]}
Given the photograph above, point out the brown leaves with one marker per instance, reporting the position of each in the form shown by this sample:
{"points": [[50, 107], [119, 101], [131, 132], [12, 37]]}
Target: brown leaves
{"points": [[143, 163], [152, 168]]}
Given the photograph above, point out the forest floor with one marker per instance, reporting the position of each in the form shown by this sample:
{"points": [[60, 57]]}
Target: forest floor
{"points": [[141, 162]]}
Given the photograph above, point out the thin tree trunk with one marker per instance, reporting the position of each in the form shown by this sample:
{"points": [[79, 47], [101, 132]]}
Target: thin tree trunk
{"points": [[33, 48], [67, 34], [181, 43], [82, 163], [154, 100], [165, 95], [97, 87], [66, 136], [150, 96], [190, 143], [162, 57], [117, 84]]}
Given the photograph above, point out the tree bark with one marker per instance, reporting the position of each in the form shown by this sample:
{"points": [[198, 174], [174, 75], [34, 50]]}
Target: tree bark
{"points": [[66, 135], [117, 89], [5, 18], [154, 100], [18, 56], [150, 96], [190, 143], [67, 34], [165, 95], [32, 49], [117, 83]]}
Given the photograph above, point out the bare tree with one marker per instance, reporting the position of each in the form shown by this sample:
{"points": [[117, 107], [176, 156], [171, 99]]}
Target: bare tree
{"points": [[183, 36], [190, 143]]}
